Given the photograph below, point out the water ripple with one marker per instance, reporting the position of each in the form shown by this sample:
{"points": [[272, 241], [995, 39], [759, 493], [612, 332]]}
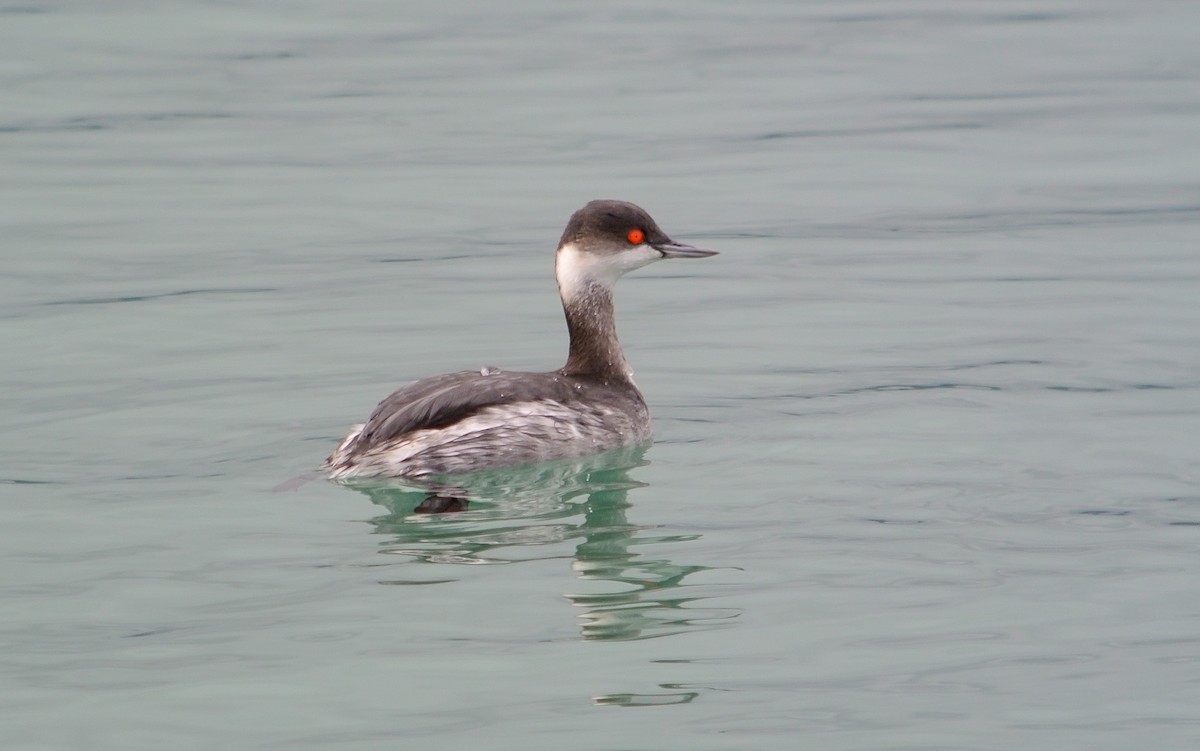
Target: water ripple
{"points": [[527, 514]]}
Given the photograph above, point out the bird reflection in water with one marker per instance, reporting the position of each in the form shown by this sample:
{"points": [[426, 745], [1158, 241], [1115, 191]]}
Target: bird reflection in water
{"points": [[508, 516]]}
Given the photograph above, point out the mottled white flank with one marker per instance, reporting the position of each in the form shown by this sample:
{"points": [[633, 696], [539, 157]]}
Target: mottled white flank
{"points": [[577, 269], [519, 433]]}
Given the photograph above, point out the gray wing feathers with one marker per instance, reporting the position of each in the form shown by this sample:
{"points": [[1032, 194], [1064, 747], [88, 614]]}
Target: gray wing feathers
{"points": [[443, 400]]}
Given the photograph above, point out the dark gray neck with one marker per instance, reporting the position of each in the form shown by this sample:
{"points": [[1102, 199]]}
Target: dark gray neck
{"points": [[595, 351]]}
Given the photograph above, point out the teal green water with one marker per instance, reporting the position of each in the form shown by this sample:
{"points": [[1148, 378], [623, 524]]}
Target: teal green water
{"points": [[925, 472]]}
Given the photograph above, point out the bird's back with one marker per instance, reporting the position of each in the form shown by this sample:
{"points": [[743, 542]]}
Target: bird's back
{"points": [[475, 420]]}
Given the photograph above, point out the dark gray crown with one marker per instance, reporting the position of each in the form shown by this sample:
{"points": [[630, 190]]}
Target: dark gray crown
{"points": [[610, 221]]}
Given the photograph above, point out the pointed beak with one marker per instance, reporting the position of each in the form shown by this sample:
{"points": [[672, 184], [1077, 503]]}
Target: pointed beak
{"points": [[672, 249]]}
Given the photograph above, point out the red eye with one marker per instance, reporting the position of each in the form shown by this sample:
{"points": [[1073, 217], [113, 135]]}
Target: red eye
{"points": [[636, 236]]}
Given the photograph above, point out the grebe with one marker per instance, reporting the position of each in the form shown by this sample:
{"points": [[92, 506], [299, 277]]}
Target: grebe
{"points": [[482, 419]]}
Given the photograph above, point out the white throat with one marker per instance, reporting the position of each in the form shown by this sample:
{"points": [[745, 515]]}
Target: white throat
{"points": [[578, 270]]}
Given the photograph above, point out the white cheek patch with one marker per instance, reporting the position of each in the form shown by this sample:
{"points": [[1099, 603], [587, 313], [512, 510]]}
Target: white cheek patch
{"points": [[578, 269], [574, 270]]}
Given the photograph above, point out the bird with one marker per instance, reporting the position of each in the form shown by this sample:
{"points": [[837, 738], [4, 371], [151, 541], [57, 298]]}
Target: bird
{"points": [[476, 420]]}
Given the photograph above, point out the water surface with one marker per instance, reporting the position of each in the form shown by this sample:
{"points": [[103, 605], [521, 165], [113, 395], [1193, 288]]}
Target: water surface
{"points": [[925, 474]]}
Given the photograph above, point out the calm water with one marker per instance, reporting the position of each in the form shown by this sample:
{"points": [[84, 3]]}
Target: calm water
{"points": [[926, 471]]}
